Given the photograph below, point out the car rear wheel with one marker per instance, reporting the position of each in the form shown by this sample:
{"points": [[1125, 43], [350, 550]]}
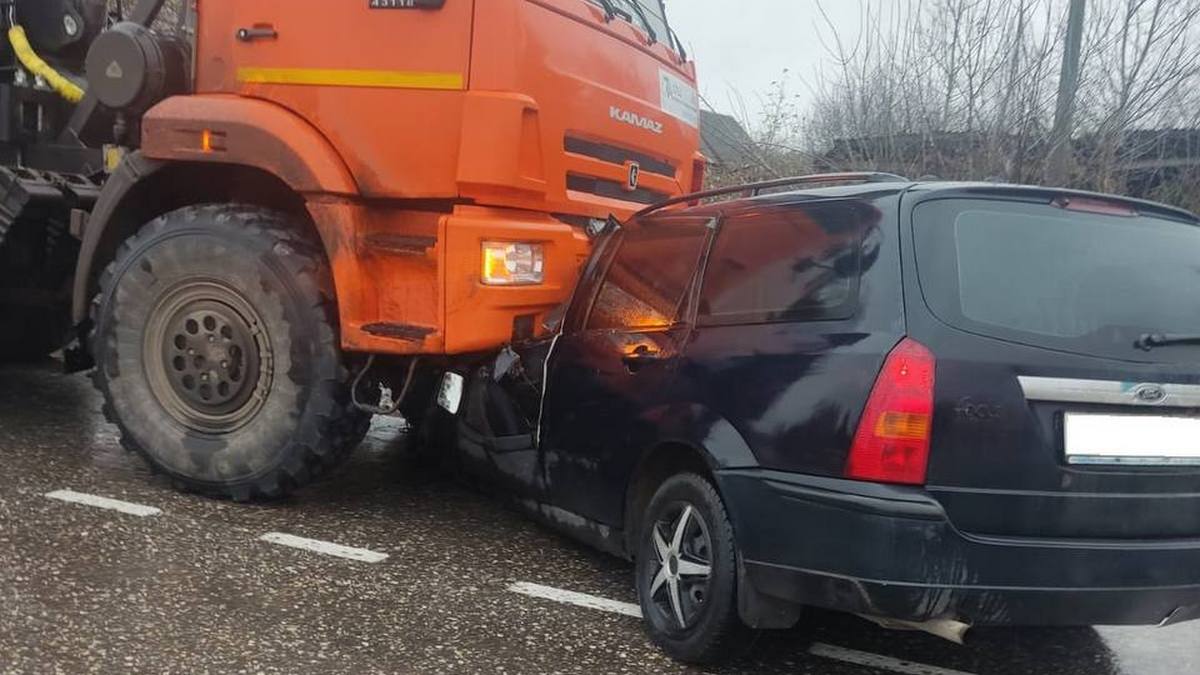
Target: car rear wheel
{"points": [[217, 353], [687, 571]]}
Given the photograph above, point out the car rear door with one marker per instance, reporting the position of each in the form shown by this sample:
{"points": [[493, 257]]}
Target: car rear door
{"points": [[799, 307], [1050, 421], [615, 361]]}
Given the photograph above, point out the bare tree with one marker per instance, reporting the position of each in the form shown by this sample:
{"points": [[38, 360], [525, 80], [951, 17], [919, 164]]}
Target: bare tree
{"points": [[966, 89], [1144, 74]]}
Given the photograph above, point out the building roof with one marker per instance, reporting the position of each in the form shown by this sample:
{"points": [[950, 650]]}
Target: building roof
{"points": [[724, 141]]}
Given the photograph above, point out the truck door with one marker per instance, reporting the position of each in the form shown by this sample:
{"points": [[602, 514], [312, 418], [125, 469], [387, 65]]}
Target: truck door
{"points": [[382, 79]]}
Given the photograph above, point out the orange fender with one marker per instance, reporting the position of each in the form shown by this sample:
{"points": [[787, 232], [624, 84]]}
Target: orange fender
{"points": [[252, 132]]}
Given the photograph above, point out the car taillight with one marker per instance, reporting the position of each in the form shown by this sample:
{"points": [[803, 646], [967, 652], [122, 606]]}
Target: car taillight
{"points": [[892, 441]]}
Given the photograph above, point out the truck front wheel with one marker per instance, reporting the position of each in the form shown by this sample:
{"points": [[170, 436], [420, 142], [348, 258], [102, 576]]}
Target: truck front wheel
{"points": [[217, 353]]}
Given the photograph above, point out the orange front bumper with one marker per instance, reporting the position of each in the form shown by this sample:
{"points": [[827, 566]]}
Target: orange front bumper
{"points": [[408, 282]]}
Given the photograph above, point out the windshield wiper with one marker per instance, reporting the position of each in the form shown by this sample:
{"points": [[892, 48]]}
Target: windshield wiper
{"points": [[678, 46], [1148, 341], [650, 32], [610, 10]]}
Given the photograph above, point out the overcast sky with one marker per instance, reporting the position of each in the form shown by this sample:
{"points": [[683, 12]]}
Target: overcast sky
{"points": [[744, 45]]}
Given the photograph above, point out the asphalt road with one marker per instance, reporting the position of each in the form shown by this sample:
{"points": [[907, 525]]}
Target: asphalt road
{"points": [[188, 585]]}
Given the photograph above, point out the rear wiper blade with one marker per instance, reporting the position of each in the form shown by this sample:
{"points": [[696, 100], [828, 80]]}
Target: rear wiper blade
{"points": [[1148, 341]]}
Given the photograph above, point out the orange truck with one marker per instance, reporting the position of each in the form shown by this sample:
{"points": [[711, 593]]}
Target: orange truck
{"points": [[266, 220]]}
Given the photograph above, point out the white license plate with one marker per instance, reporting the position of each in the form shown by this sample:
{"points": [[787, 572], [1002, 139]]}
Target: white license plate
{"points": [[1144, 440]]}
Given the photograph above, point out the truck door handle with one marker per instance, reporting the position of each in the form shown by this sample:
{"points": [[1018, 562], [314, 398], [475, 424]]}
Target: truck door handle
{"points": [[258, 32]]}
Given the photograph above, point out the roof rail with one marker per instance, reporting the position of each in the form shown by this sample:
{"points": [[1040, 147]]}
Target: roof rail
{"points": [[755, 189]]}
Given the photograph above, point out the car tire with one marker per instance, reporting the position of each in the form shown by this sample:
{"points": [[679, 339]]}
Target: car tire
{"points": [[692, 616], [217, 353]]}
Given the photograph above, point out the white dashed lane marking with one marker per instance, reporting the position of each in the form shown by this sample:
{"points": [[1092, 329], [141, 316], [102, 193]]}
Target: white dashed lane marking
{"points": [[851, 656], [870, 660], [104, 503], [324, 547], [585, 600], [577, 599]]}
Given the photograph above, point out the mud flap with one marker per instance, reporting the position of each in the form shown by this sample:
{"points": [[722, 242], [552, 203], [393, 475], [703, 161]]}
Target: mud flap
{"points": [[763, 612]]}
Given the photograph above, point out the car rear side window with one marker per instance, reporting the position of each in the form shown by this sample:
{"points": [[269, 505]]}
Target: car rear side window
{"points": [[1050, 277], [647, 283], [792, 262]]}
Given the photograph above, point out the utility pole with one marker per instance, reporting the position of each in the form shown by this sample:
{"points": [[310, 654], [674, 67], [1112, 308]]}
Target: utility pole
{"points": [[1058, 169]]}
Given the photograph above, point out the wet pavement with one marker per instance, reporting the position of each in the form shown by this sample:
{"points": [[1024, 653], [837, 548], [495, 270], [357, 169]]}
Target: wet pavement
{"points": [[193, 589]]}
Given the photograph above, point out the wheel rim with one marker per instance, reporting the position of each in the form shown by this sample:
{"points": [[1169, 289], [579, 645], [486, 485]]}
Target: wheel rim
{"points": [[208, 357], [680, 574]]}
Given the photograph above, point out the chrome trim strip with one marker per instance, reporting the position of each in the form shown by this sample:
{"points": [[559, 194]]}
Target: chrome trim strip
{"points": [[1066, 390], [1099, 460]]}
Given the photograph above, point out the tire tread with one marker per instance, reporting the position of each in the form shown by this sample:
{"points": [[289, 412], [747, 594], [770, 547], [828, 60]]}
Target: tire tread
{"points": [[339, 426]]}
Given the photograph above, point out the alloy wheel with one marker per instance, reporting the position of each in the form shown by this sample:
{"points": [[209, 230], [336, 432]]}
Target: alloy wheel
{"points": [[681, 581]]}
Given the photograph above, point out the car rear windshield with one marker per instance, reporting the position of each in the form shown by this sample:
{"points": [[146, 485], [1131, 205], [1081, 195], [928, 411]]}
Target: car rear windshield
{"points": [[1050, 277]]}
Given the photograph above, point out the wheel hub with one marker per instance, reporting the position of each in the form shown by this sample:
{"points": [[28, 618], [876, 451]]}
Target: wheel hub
{"points": [[212, 365], [212, 354], [679, 583]]}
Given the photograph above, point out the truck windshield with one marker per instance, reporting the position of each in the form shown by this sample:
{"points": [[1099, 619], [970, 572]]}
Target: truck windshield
{"points": [[649, 15]]}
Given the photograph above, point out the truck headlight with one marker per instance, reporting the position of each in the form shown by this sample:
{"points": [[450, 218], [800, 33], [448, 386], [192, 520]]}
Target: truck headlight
{"points": [[513, 264]]}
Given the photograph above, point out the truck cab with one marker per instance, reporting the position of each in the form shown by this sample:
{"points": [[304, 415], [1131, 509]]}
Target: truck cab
{"points": [[449, 124], [303, 201]]}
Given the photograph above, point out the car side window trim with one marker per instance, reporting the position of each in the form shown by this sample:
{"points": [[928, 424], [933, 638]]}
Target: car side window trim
{"points": [[690, 314], [588, 286], [596, 283]]}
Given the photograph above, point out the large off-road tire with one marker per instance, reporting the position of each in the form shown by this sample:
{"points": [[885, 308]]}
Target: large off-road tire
{"points": [[686, 571], [218, 356]]}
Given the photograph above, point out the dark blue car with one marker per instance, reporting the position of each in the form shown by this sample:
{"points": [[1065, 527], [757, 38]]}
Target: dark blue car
{"points": [[923, 402]]}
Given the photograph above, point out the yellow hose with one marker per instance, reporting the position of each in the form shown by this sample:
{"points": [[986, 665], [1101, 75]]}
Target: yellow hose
{"points": [[34, 63]]}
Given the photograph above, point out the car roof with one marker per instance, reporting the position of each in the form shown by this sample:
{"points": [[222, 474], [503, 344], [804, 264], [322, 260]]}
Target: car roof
{"points": [[927, 189]]}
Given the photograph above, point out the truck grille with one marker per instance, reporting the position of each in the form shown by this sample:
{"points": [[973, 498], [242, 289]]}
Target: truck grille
{"points": [[618, 156], [612, 189]]}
